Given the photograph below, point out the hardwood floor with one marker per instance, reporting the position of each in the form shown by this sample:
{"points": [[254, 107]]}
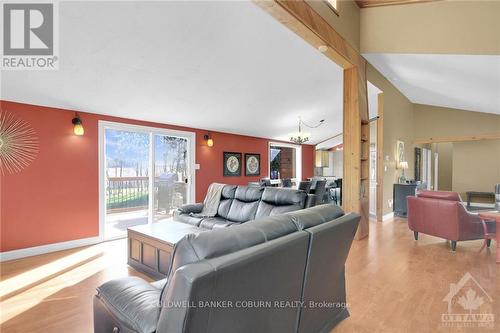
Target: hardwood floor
{"points": [[394, 284]]}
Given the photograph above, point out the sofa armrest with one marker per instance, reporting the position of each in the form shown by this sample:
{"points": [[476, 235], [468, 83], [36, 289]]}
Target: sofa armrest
{"points": [[469, 224], [191, 208]]}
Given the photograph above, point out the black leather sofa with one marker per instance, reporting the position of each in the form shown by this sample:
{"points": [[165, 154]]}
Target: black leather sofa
{"points": [[241, 204], [281, 273]]}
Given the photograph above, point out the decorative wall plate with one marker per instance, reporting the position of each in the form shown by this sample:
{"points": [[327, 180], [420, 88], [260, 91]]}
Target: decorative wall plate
{"points": [[232, 164], [252, 164], [18, 144]]}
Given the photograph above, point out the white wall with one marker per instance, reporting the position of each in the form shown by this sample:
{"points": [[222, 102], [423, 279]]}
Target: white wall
{"points": [[335, 164]]}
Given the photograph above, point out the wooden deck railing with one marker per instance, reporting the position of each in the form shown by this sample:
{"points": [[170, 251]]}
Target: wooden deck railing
{"points": [[132, 193], [127, 193]]}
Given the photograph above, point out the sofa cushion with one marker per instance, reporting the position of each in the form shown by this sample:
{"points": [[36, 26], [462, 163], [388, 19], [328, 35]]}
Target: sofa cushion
{"points": [[190, 208], [248, 193], [215, 222], [228, 191], [280, 200], [186, 218], [160, 283], [244, 206], [316, 215], [214, 243], [134, 301], [242, 211], [224, 206], [273, 227], [283, 196]]}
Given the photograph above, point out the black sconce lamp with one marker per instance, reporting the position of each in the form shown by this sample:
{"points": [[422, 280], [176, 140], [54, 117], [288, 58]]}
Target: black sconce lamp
{"points": [[209, 140], [77, 125]]}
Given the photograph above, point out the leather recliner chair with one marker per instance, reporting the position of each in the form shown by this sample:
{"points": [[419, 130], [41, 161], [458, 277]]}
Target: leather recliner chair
{"points": [[252, 277], [442, 214]]}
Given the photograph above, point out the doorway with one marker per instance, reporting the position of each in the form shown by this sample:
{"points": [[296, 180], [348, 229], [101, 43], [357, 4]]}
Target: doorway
{"points": [[144, 175]]}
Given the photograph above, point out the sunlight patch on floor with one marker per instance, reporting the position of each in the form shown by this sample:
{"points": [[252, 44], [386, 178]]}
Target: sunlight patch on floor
{"points": [[38, 285]]}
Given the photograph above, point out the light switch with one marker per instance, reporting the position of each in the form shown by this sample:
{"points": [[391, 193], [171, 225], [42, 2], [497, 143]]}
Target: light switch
{"points": [[197, 167]]}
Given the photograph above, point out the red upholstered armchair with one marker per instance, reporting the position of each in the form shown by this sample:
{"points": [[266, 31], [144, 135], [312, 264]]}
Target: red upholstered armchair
{"points": [[441, 214]]}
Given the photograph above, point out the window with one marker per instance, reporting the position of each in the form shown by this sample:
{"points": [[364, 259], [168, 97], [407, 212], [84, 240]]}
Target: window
{"points": [[334, 4], [285, 161]]}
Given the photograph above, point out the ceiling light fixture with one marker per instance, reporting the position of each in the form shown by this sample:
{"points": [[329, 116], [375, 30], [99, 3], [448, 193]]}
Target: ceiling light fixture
{"points": [[302, 137], [322, 48]]}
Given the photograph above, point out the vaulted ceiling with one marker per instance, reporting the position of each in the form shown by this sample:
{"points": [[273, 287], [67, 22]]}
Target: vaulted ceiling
{"points": [[442, 53], [221, 66]]}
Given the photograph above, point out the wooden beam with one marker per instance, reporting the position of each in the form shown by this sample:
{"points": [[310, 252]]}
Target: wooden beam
{"points": [[491, 136], [379, 3], [299, 17]]}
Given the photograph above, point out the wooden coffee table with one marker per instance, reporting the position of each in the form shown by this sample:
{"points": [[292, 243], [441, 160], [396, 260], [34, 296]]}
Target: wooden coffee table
{"points": [[151, 246], [495, 216]]}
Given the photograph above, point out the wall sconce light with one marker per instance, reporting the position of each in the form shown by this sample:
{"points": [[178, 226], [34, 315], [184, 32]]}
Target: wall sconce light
{"points": [[77, 125], [209, 140]]}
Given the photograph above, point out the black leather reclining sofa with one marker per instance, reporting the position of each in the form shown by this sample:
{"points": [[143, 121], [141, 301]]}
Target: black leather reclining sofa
{"points": [[240, 204], [280, 273]]}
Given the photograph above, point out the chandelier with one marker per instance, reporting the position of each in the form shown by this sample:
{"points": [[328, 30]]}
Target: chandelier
{"points": [[302, 137]]}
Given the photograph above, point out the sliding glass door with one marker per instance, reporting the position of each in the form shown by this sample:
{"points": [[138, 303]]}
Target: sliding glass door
{"points": [[145, 174], [171, 175], [127, 172]]}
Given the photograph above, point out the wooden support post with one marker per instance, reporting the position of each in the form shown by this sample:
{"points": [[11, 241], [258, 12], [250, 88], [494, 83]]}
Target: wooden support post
{"points": [[299, 17], [380, 157], [355, 182]]}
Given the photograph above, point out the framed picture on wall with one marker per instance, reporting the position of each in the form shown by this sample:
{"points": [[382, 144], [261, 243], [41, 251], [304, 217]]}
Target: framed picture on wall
{"points": [[400, 145], [252, 164], [232, 164]]}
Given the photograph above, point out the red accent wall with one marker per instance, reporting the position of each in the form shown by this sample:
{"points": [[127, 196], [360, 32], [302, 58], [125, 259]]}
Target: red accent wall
{"points": [[55, 198]]}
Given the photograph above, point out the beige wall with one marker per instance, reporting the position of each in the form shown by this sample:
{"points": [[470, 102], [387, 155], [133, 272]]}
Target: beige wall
{"points": [[398, 125], [432, 121], [346, 24], [443, 27], [476, 166]]}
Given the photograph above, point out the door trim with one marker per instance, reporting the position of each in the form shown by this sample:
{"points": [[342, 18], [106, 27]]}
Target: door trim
{"points": [[298, 158], [103, 125]]}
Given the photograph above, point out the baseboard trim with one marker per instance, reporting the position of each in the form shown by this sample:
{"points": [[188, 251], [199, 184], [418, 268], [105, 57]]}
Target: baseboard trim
{"points": [[42, 249], [388, 216]]}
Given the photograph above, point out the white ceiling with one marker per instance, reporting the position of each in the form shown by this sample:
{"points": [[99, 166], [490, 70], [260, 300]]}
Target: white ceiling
{"points": [[467, 82], [372, 92], [222, 66]]}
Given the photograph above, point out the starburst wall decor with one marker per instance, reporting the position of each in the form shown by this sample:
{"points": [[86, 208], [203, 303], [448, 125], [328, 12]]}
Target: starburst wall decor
{"points": [[18, 144]]}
